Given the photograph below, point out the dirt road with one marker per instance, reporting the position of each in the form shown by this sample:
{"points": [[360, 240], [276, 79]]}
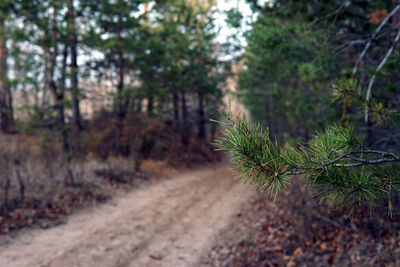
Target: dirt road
{"points": [[171, 223]]}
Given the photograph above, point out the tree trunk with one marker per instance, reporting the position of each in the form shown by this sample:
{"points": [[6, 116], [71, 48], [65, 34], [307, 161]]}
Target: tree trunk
{"points": [[60, 106], [213, 131], [45, 100], [58, 93], [150, 105], [185, 128], [131, 109], [21, 185], [139, 105], [120, 106], [74, 67], [6, 192], [6, 111], [53, 55], [175, 101], [200, 117]]}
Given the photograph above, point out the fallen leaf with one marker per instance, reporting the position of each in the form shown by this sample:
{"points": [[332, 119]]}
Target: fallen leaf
{"points": [[265, 227], [155, 257], [298, 251]]}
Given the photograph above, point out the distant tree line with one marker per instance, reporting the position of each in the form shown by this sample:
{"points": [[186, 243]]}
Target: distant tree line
{"points": [[159, 56]]}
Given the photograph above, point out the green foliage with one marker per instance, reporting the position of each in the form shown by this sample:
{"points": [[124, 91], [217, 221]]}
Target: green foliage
{"points": [[335, 162], [264, 168], [346, 89], [45, 141], [284, 76], [340, 186], [234, 18], [381, 115]]}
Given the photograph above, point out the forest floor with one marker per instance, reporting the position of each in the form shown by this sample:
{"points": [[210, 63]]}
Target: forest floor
{"points": [[205, 218], [168, 223], [296, 230]]}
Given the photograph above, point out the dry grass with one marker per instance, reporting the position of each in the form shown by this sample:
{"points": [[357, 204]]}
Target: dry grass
{"points": [[38, 184]]}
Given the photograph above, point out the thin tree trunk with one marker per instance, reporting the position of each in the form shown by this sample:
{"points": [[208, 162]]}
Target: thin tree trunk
{"points": [[60, 105], [201, 119], [185, 129], [21, 185], [139, 105], [58, 93], [6, 111], [175, 102], [6, 192], [36, 96], [45, 102], [150, 105], [213, 131], [53, 55], [74, 67], [120, 104], [131, 106], [26, 96], [150, 98]]}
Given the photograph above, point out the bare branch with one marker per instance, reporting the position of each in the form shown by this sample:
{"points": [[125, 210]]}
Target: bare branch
{"points": [[372, 151], [387, 157], [326, 164], [368, 162], [298, 172], [349, 44], [341, 7], [371, 82], [364, 52]]}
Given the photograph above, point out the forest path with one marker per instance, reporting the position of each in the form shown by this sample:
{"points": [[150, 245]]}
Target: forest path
{"points": [[171, 223]]}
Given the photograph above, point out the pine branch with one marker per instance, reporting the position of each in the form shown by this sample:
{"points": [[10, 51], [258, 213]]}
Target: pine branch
{"points": [[332, 162]]}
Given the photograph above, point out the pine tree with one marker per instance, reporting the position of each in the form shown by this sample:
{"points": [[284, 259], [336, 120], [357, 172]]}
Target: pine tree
{"points": [[6, 110], [73, 42], [117, 41]]}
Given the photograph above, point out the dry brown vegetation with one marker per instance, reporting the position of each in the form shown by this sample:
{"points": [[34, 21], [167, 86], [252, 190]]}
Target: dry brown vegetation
{"points": [[38, 185], [295, 230]]}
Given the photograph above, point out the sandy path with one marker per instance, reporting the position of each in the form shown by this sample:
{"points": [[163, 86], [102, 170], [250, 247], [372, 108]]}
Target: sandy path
{"points": [[172, 223]]}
